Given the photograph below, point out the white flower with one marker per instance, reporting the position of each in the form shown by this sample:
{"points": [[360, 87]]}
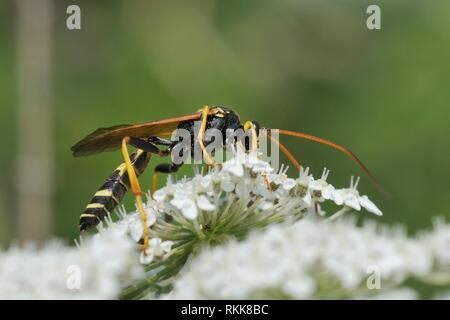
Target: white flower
{"points": [[439, 241], [304, 256], [395, 294], [302, 188], [98, 269], [136, 226], [204, 204], [161, 194], [227, 184], [251, 180], [304, 178], [250, 161], [253, 162], [298, 259], [234, 167], [281, 179], [369, 205], [189, 204], [352, 199], [156, 248], [186, 204], [322, 190]]}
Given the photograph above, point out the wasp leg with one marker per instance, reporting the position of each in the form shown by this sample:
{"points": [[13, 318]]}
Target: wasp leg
{"points": [[146, 145], [167, 167], [163, 142], [159, 141], [135, 187], [163, 168], [218, 124], [149, 145], [250, 126], [201, 135]]}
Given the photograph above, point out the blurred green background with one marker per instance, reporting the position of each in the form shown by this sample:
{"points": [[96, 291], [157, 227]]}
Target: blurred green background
{"points": [[311, 66]]}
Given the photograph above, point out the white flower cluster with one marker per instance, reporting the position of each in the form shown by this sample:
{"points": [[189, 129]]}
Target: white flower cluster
{"points": [[97, 269], [252, 179], [316, 259], [240, 195], [132, 225]]}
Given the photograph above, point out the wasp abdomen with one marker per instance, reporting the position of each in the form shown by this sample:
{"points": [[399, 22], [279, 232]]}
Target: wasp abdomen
{"points": [[111, 193]]}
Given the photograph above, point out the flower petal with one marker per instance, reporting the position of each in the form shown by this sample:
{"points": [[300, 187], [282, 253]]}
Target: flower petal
{"points": [[136, 229], [204, 204], [307, 199], [151, 217], [327, 192], [155, 247], [234, 167], [337, 197], [145, 259], [227, 185], [352, 202], [189, 209], [179, 201], [160, 194], [369, 205], [167, 245], [289, 184]]}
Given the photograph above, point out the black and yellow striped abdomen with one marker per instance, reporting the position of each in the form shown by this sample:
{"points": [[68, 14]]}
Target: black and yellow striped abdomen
{"points": [[112, 191]]}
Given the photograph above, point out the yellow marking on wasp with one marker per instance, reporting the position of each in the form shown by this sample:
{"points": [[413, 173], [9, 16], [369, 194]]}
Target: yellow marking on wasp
{"points": [[103, 193], [138, 153], [88, 215], [218, 112], [122, 169], [106, 193], [213, 110], [95, 205]]}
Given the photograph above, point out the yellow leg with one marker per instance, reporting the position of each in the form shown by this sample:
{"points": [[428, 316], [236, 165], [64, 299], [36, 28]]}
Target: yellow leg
{"points": [[136, 190], [154, 183], [249, 125], [201, 135]]}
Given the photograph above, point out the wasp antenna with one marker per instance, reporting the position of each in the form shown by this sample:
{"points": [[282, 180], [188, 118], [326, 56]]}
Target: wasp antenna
{"points": [[285, 151], [337, 147]]}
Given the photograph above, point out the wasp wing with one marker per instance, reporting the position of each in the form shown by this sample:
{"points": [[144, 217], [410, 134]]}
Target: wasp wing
{"points": [[105, 139]]}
